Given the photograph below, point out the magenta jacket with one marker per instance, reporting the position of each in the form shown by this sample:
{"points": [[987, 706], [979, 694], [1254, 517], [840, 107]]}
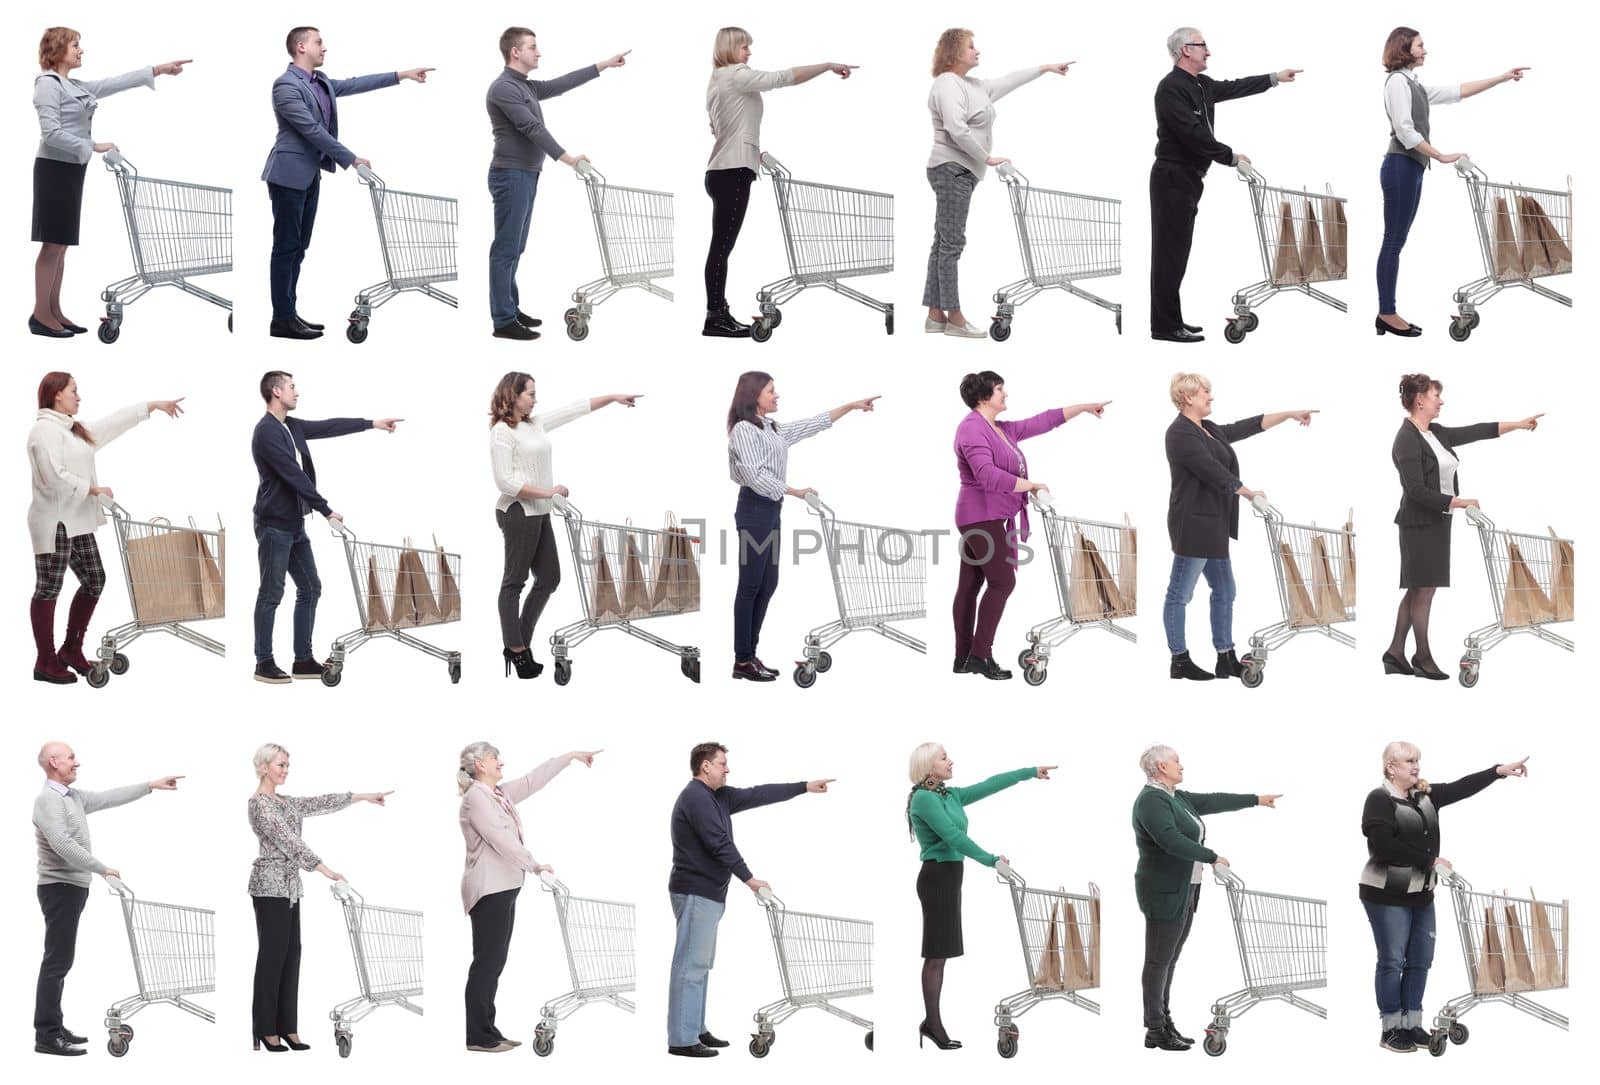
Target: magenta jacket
{"points": [[989, 467]]}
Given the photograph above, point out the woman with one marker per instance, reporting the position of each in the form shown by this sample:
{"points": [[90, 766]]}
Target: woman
{"points": [[1171, 837], [1424, 455], [497, 863], [66, 108], [994, 490], [1202, 515], [1406, 101], [733, 104], [275, 892], [963, 144], [1401, 823], [936, 818], [758, 460], [65, 511], [520, 455]]}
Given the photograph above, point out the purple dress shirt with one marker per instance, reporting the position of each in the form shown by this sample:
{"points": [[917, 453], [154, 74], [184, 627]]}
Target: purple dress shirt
{"points": [[319, 91]]}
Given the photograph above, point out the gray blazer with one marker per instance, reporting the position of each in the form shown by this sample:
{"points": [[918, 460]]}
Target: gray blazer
{"points": [[306, 144], [66, 110]]}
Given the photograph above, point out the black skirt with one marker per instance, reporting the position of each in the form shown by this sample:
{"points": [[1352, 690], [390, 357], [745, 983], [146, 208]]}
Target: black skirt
{"points": [[1425, 555], [57, 200], [939, 890]]}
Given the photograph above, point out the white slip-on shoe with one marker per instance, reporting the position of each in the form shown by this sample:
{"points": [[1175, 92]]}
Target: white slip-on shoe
{"points": [[969, 330], [932, 326]]}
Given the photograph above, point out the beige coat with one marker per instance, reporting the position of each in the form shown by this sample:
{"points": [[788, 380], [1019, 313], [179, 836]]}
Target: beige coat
{"points": [[733, 103], [497, 858]]}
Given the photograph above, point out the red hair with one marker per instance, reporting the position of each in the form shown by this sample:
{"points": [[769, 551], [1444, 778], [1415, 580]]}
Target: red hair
{"points": [[53, 385], [53, 46]]}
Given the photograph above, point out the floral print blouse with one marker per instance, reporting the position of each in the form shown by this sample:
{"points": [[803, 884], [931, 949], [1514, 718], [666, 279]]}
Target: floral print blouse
{"points": [[276, 819]]}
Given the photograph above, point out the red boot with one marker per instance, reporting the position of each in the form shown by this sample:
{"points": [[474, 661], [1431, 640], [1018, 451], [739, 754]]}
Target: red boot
{"points": [[42, 613], [71, 654]]}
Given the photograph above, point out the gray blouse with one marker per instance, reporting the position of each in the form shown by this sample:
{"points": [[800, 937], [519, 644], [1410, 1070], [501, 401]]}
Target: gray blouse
{"points": [[66, 110], [276, 820]]}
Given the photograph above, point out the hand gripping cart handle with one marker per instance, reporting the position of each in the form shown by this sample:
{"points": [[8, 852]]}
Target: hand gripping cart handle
{"points": [[1060, 936], [821, 958], [386, 945], [397, 588], [417, 234], [1315, 571], [1303, 239], [1524, 235], [599, 940], [174, 956], [633, 230]]}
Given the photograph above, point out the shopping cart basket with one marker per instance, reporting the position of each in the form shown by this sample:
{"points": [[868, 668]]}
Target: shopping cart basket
{"points": [[1095, 566], [1530, 585], [1512, 945], [386, 944], [879, 577], [626, 575], [1302, 237], [397, 588], [1524, 234], [821, 958], [633, 227], [598, 935], [1316, 572], [418, 236], [829, 234], [175, 575], [1065, 238], [1060, 934], [174, 955]]}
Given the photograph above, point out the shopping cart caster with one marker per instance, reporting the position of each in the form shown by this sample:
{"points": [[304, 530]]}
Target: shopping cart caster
{"points": [[1255, 672], [1006, 1045], [1468, 674], [1461, 328], [117, 1044], [1235, 330], [543, 1042], [999, 329], [230, 322], [777, 317], [690, 668], [824, 662], [888, 329], [761, 330], [869, 1039], [343, 1041], [1119, 321], [119, 663], [1034, 674], [1215, 1043], [563, 671], [1438, 1042], [99, 674], [760, 1045], [1458, 1033], [455, 672], [332, 674], [110, 328], [578, 330], [356, 330], [805, 675]]}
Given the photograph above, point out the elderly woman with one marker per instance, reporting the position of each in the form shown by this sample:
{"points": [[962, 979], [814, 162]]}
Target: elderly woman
{"points": [[497, 863], [1171, 838], [64, 514], [275, 892], [1401, 823], [733, 104], [66, 108], [994, 492], [936, 817], [1203, 514], [1424, 455]]}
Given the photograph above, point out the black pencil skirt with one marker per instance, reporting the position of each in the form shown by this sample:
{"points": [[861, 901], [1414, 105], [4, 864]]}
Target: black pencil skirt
{"points": [[939, 890], [57, 200], [1425, 555]]}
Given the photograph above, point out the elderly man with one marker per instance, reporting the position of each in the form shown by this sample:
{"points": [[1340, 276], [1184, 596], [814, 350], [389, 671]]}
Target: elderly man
{"points": [[1186, 145], [61, 829]]}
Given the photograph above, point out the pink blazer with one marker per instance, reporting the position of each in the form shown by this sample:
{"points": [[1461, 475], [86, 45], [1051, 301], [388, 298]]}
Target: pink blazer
{"points": [[497, 859], [989, 467]]}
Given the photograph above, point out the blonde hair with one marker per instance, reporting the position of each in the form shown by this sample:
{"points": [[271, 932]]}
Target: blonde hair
{"points": [[730, 39], [470, 756], [1150, 761], [922, 759], [951, 42], [1402, 751], [1185, 385], [264, 755]]}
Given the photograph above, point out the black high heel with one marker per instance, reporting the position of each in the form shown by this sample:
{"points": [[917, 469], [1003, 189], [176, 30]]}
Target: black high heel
{"points": [[296, 1045], [257, 1043], [1410, 331], [925, 1033], [522, 662], [1391, 665]]}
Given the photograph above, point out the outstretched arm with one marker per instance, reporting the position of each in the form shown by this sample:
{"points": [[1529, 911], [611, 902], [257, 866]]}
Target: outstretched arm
{"points": [[1478, 86]]}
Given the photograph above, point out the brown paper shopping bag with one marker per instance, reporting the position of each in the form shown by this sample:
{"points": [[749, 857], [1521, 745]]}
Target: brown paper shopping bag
{"points": [[1525, 602], [213, 576], [1047, 973], [606, 607], [635, 592], [1535, 256], [164, 575], [1549, 966], [377, 609], [1335, 231], [1128, 566], [1557, 253], [1519, 967], [1325, 585], [449, 589], [1561, 582], [1302, 611], [1312, 260], [414, 602], [1286, 260], [1086, 602], [1347, 563], [1491, 963], [1077, 973], [1507, 253], [1110, 595]]}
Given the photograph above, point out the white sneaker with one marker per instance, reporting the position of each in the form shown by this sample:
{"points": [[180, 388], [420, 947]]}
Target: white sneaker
{"points": [[969, 330], [932, 326]]}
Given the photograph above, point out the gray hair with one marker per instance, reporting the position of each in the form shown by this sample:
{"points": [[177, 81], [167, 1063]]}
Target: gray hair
{"points": [[264, 755], [1178, 39], [1185, 385], [922, 759], [1150, 761], [470, 756]]}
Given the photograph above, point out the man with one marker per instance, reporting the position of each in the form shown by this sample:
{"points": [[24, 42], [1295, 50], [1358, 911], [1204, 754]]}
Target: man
{"points": [[66, 865], [286, 495], [1186, 145], [521, 144], [704, 859], [305, 102]]}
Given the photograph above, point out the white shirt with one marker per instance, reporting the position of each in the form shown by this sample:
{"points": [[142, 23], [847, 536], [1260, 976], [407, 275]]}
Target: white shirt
{"points": [[733, 105], [1397, 103], [758, 455], [63, 473], [963, 116], [1447, 464], [520, 456]]}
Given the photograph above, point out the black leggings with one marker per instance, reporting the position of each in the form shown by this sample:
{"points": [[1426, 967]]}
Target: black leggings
{"points": [[275, 1010], [730, 196], [530, 547]]}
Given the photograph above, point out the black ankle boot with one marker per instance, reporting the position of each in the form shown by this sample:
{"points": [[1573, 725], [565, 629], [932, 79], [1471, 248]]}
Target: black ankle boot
{"points": [[1163, 1038], [1184, 667], [720, 323], [1228, 665], [1172, 1030]]}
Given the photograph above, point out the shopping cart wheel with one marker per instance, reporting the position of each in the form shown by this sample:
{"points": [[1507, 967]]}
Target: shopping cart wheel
{"points": [[1459, 329], [1438, 1043], [343, 1041], [119, 663], [1006, 1045], [1034, 674], [578, 330], [1251, 322], [777, 317], [1458, 1032], [690, 669], [869, 1039], [331, 675], [570, 315], [1469, 678], [888, 322], [356, 331], [455, 672], [999, 329], [117, 1044], [1473, 318], [1235, 330], [761, 330], [230, 322], [109, 330], [543, 1043], [805, 675], [1254, 673], [760, 1045], [824, 662], [1119, 321], [98, 676], [1215, 1043], [563, 671]]}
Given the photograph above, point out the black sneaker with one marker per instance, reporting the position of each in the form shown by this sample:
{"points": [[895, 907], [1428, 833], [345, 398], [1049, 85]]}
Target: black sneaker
{"points": [[1419, 1035], [527, 322], [308, 668], [267, 671], [1397, 1039], [515, 330], [711, 1041], [692, 1051], [1184, 667]]}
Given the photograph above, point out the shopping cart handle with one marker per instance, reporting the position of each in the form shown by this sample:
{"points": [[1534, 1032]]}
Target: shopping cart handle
{"points": [[1225, 876], [368, 177], [767, 898], [1005, 872], [1265, 508], [770, 163], [341, 529], [1249, 173], [562, 505], [551, 882], [586, 170], [1448, 877], [1477, 517], [1466, 167], [118, 886], [116, 162], [345, 892], [1042, 500], [1009, 173], [113, 508]]}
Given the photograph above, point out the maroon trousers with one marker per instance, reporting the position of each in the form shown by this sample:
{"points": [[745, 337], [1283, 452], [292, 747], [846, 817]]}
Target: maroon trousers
{"points": [[989, 570]]}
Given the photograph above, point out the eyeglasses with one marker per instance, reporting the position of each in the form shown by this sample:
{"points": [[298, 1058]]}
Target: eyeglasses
{"points": [[1194, 44]]}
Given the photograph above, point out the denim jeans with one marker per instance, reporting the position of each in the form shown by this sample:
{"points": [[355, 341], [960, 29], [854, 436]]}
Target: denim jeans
{"points": [[280, 552], [512, 192], [294, 211], [693, 953], [758, 520], [1405, 938], [1401, 180], [1186, 573]]}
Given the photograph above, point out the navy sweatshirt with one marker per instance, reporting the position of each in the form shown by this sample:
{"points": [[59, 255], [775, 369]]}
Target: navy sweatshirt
{"points": [[288, 490], [1186, 116], [703, 853]]}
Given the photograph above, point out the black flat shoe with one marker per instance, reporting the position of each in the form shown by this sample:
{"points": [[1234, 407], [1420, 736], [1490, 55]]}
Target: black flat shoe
{"points": [[1410, 331], [304, 323], [693, 1051], [711, 1041], [75, 329], [58, 1045], [292, 329], [1193, 329], [1423, 671], [1164, 1039], [514, 330], [752, 673], [1182, 335], [1391, 665], [528, 321], [38, 328], [986, 666], [960, 666], [1184, 667], [943, 1043], [1228, 665]]}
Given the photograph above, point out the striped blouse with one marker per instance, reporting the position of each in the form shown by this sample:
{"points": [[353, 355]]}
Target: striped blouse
{"points": [[758, 455]]}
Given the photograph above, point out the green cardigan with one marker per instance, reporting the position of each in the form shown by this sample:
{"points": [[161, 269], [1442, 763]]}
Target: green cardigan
{"points": [[1169, 845], [940, 821]]}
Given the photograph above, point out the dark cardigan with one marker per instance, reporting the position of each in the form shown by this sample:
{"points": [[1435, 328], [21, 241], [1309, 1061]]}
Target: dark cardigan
{"points": [[1203, 508], [1403, 838], [1421, 501], [1169, 845]]}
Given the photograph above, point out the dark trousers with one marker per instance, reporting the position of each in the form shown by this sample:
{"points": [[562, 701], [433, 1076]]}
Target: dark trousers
{"points": [[758, 520], [1175, 193], [275, 1009], [530, 548], [492, 917], [1163, 942], [294, 210], [730, 197], [986, 558], [281, 553], [1401, 179], [62, 905], [513, 192]]}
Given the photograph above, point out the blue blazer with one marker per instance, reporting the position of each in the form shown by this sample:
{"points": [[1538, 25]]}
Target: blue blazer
{"points": [[304, 144]]}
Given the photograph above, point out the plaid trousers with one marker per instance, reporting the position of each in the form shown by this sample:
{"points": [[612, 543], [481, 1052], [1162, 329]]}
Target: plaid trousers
{"points": [[952, 191], [80, 554]]}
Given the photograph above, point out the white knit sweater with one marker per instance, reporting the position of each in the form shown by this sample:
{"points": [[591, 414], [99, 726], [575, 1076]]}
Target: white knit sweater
{"points": [[63, 472], [520, 456]]}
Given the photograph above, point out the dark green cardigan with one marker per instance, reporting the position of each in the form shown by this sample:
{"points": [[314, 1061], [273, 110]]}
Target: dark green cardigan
{"points": [[1169, 846]]}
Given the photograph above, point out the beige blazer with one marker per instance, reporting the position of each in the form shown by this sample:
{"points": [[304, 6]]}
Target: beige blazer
{"points": [[733, 102], [497, 858]]}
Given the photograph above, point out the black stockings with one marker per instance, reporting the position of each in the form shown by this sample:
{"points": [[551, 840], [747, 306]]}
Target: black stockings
{"points": [[1412, 617], [932, 985]]}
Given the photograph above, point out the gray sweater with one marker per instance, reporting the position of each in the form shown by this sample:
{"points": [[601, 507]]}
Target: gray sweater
{"points": [[521, 141], [61, 829]]}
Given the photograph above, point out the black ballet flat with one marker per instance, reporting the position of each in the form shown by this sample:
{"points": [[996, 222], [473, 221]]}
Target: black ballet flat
{"points": [[37, 327], [1410, 331]]}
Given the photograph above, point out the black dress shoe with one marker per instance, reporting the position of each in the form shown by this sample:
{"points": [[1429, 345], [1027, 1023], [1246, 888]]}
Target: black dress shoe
{"points": [[296, 1045], [760, 666], [1391, 665], [1172, 1030], [1163, 1038], [292, 329], [960, 665], [1228, 665], [72, 1037], [942, 1042], [692, 1051], [514, 330], [38, 328], [711, 1041], [75, 329], [1184, 667], [528, 321], [1193, 329], [986, 666], [722, 325], [1410, 331], [1426, 670], [58, 1045], [1182, 335], [752, 673], [304, 323]]}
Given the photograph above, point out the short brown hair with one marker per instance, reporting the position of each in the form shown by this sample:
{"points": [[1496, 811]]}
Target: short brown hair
{"points": [[296, 37], [706, 751], [53, 45], [503, 403], [511, 39], [271, 380], [1397, 50], [1414, 385], [951, 42]]}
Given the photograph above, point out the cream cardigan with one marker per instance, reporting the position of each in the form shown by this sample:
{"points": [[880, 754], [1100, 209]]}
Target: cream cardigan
{"points": [[63, 472]]}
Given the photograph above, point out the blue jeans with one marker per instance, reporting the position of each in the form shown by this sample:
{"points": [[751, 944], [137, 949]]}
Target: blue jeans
{"points": [[281, 552], [512, 192], [693, 953], [1180, 589], [1405, 938], [294, 211], [757, 519], [1401, 178]]}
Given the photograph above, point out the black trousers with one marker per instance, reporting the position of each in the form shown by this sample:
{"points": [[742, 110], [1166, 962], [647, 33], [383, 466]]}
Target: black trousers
{"points": [[275, 1009], [493, 918], [62, 905], [1163, 942], [730, 197], [530, 548], [1175, 193]]}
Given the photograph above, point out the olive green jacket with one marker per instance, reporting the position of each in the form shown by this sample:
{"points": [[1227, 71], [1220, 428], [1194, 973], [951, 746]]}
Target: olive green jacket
{"points": [[1169, 845]]}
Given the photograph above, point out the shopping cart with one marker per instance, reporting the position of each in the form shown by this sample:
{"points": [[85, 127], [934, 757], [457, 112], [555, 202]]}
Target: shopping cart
{"points": [[1530, 585], [175, 575], [1524, 234], [633, 227], [879, 577], [627, 575], [418, 236], [829, 234], [397, 588], [1511, 945], [176, 232], [1316, 572], [174, 955], [1060, 934], [1065, 238], [1096, 566], [598, 935], [820, 958], [1303, 240], [386, 944]]}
